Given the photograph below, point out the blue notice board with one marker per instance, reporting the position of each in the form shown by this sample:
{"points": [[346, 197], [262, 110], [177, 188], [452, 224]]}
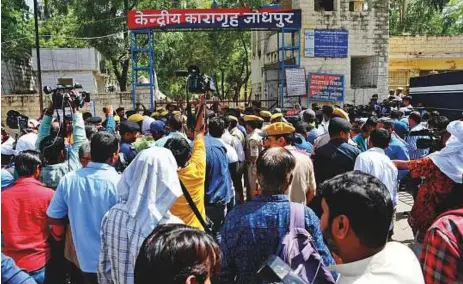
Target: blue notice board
{"points": [[331, 43], [325, 87]]}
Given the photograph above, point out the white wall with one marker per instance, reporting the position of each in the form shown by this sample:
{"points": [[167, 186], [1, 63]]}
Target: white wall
{"points": [[67, 59]]}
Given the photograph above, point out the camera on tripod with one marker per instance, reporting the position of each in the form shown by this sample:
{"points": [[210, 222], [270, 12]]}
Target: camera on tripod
{"points": [[67, 94], [198, 83]]}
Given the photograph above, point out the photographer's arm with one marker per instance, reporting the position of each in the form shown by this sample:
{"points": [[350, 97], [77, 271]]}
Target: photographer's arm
{"points": [[79, 137], [45, 126], [110, 123]]}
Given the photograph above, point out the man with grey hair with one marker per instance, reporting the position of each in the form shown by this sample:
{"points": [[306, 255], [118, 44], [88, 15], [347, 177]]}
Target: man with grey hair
{"points": [[252, 231], [85, 155]]}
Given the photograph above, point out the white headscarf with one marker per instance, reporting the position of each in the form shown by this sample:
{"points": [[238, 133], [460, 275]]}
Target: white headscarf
{"points": [[149, 186], [145, 125], [450, 159]]}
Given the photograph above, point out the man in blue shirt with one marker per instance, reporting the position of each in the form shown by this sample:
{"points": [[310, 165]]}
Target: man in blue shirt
{"points": [[219, 190], [84, 196], [12, 274], [252, 231], [397, 149], [7, 178], [400, 127], [301, 134]]}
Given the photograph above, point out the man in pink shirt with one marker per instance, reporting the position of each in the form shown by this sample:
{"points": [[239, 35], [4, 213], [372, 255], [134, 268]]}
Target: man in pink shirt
{"points": [[24, 220]]}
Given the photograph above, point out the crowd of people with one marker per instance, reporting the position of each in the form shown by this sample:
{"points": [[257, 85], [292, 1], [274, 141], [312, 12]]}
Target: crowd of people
{"points": [[209, 193]]}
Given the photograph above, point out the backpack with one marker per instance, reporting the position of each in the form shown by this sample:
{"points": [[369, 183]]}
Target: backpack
{"points": [[298, 250]]}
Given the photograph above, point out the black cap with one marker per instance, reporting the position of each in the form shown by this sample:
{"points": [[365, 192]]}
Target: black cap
{"points": [[338, 125], [94, 120], [129, 126]]}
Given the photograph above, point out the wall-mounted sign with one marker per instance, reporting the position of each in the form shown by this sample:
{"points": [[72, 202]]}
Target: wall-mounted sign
{"points": [[295, 82], [232, 18], [326, 43], [326, 87]]}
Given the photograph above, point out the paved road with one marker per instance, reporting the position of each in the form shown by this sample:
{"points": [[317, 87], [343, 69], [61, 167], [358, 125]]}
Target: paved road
{"points": [[402, 231]]}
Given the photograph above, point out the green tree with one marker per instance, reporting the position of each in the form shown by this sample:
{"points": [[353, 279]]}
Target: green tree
{"points": [[17, 35], [425, 17]]}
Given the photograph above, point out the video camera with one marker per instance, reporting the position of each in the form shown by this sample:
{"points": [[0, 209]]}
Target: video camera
{"points": [[16, 120], [198, 83], [433, 141], [67, 94]]}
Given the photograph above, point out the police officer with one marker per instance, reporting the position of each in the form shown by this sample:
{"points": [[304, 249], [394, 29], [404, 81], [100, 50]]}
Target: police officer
{"points": [[253, 148], [266, 116]]}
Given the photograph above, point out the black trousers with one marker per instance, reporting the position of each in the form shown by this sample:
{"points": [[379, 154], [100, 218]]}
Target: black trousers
{"points": [[237, 179], [57, 267], [90, 278]]}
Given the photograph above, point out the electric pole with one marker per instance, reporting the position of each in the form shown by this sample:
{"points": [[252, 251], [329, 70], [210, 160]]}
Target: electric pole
{"points": [[37, 48]]}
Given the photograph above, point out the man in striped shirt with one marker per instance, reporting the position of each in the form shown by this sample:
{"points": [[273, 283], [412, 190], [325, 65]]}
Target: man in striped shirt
{"points": [[414, 121]]}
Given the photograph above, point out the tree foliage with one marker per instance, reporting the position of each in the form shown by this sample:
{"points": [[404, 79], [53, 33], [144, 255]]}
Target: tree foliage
{"points": [[17, 35], [426, 17]]}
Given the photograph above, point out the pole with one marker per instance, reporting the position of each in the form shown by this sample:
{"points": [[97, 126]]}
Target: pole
{"points": [[37, 48]]}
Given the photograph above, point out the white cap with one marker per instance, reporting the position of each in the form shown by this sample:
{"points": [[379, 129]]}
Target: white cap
{"points": [[26, 142]]}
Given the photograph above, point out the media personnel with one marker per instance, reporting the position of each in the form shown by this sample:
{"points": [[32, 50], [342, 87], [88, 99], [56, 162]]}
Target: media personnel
{"points": [[59, 161], [414, 121]]}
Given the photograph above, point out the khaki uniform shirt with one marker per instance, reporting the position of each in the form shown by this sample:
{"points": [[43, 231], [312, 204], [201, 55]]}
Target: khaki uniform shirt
{"points": [[303, 177], [253, 149]]}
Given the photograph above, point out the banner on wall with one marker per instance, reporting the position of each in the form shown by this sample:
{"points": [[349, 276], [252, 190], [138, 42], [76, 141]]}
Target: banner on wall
{"points": [[326, 43], [224, 18], [296, 84], [325, 87]]}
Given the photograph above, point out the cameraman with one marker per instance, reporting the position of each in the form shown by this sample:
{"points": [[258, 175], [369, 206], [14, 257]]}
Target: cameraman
{"points": [[58, 161]]}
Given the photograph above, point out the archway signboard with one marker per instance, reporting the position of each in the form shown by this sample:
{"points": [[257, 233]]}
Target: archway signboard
{"points": [[142, 24], [233, 18]]}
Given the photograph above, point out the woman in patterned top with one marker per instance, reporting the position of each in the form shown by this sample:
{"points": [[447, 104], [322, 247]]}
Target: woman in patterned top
{"points": [[441, 172]]}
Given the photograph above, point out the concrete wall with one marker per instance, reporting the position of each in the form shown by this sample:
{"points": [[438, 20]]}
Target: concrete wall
{"points": [[29, 104], [425, 47], [411, 56], [17, 77], [368, 37]]}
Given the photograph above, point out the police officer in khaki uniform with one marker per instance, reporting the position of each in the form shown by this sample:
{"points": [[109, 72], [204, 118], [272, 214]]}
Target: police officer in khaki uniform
{"points": [[303, 186], [253, 148], [266, 116], [277, 117]]}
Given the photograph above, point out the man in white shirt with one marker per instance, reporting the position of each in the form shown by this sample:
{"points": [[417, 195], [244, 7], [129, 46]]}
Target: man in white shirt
{"points": [[376, 163], [357, 212], [237, 177]]}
